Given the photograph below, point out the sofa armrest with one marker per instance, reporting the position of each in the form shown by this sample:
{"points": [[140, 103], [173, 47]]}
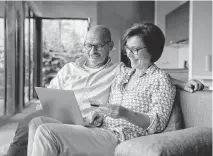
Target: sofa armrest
{"points": [[196, 141]]}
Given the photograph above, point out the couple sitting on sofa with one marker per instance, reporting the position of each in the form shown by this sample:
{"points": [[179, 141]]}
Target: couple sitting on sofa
{"points": [[140, 100]]}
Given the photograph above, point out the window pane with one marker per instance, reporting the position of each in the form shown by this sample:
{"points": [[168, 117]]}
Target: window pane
{"points": [[28, 60]]}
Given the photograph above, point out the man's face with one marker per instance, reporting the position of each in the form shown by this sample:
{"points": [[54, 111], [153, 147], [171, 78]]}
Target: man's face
{"points": [[97, 49]]}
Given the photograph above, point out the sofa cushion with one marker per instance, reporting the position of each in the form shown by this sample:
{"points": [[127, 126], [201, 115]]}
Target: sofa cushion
{"points": [[195, 141], [176, 118]]}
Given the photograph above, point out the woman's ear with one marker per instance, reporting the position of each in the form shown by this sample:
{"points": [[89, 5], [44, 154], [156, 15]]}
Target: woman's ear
{"points": [[111, 45]]}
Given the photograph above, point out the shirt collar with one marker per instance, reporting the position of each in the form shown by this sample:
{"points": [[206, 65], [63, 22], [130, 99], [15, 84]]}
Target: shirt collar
{"points": [[149, 70]]}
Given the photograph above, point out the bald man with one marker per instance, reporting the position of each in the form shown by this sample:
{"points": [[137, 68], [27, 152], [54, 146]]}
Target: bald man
{"points": [[90, 77]]}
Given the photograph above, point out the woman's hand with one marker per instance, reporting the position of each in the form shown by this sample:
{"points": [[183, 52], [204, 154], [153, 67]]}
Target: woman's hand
{"points": [[114, 111], [193, 85]]}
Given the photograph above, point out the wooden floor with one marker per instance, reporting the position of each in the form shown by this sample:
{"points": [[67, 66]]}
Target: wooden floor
{"points": [[8, 124]]}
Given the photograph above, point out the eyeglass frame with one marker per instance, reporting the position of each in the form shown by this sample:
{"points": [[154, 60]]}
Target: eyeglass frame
{"points": [[134, 52], [96, 46]]}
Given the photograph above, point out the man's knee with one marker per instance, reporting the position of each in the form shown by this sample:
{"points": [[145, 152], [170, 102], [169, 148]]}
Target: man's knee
{"points": [[43, 132], [44, 141], [36, 122]]}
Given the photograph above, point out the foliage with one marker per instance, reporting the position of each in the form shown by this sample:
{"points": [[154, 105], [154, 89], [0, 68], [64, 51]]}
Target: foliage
{"points": [[62, 43]]}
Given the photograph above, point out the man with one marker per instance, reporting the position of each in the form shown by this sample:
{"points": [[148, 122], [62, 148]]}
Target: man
{"points": [[90, 77]]}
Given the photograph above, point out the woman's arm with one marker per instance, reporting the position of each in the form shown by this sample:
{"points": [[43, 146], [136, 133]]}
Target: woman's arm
{"points": [[139, 119], [163, 95]]}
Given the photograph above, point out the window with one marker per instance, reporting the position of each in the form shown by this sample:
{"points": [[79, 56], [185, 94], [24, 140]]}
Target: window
{"points": [[62, 42], [28, 58], [2, 66]]}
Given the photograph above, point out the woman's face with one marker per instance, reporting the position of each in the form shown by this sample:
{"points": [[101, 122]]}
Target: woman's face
{"points": [[137, 52]]}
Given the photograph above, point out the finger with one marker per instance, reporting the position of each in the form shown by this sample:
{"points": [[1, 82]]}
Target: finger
{"points": [[104, 108], [200, 85], [194, 84], [188, 89], [93, 115], [92, 101], [90, 118], [99, 121]]}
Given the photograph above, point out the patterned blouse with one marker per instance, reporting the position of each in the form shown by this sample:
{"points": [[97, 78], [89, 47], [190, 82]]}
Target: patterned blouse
{"points": [[152, 94]]}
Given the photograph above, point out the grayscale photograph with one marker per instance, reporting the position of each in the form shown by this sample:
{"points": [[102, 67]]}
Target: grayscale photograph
{"points": [[106, 78]]}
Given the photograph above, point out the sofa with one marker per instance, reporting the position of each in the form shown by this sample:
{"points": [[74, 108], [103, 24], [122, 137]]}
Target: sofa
{"points": [[188, 133]]}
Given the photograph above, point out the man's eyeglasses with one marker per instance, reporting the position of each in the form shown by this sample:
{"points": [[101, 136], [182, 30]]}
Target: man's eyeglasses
{"points": [[98, 47], [133, 51]]}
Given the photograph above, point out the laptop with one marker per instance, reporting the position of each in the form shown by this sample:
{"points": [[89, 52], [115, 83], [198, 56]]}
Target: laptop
{"points": [[60, 105]]}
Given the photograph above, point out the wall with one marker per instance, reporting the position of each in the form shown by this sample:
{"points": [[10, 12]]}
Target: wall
{"points": [[172, 56], [116, 15], [120, 15], [161, 9], [69, 9], [2, 8], [201, 38], [169, 58], [179, 74], [183, 52]]}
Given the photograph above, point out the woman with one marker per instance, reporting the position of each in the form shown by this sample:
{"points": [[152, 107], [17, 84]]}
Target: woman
{"points": [[140, 104]]}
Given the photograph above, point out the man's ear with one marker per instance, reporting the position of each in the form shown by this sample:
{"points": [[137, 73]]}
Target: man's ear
{"points": [[111, 45]]}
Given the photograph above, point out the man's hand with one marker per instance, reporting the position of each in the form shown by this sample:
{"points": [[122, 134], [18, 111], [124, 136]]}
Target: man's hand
{"points": [[95, 118], [114, 111], [192, 86]]}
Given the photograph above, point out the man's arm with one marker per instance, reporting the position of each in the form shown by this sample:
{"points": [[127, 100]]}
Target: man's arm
{"points": [[56, 83], [190, 86]]}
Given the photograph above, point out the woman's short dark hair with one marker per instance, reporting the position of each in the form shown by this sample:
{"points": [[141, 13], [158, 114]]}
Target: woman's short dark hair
{"points": [[151, 35]]}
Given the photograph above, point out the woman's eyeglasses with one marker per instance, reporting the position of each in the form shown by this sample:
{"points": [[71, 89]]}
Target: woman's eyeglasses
{"points": [[133, 51], [98, 47]]}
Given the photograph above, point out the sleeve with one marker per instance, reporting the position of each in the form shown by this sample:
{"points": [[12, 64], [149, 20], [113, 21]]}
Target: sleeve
{"points": [[58, 81], [163, 95], [121, 68]]}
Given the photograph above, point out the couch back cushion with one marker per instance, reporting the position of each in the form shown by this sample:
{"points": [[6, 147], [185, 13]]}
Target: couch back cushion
{"points": [[176, 117], [196, 108]]}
